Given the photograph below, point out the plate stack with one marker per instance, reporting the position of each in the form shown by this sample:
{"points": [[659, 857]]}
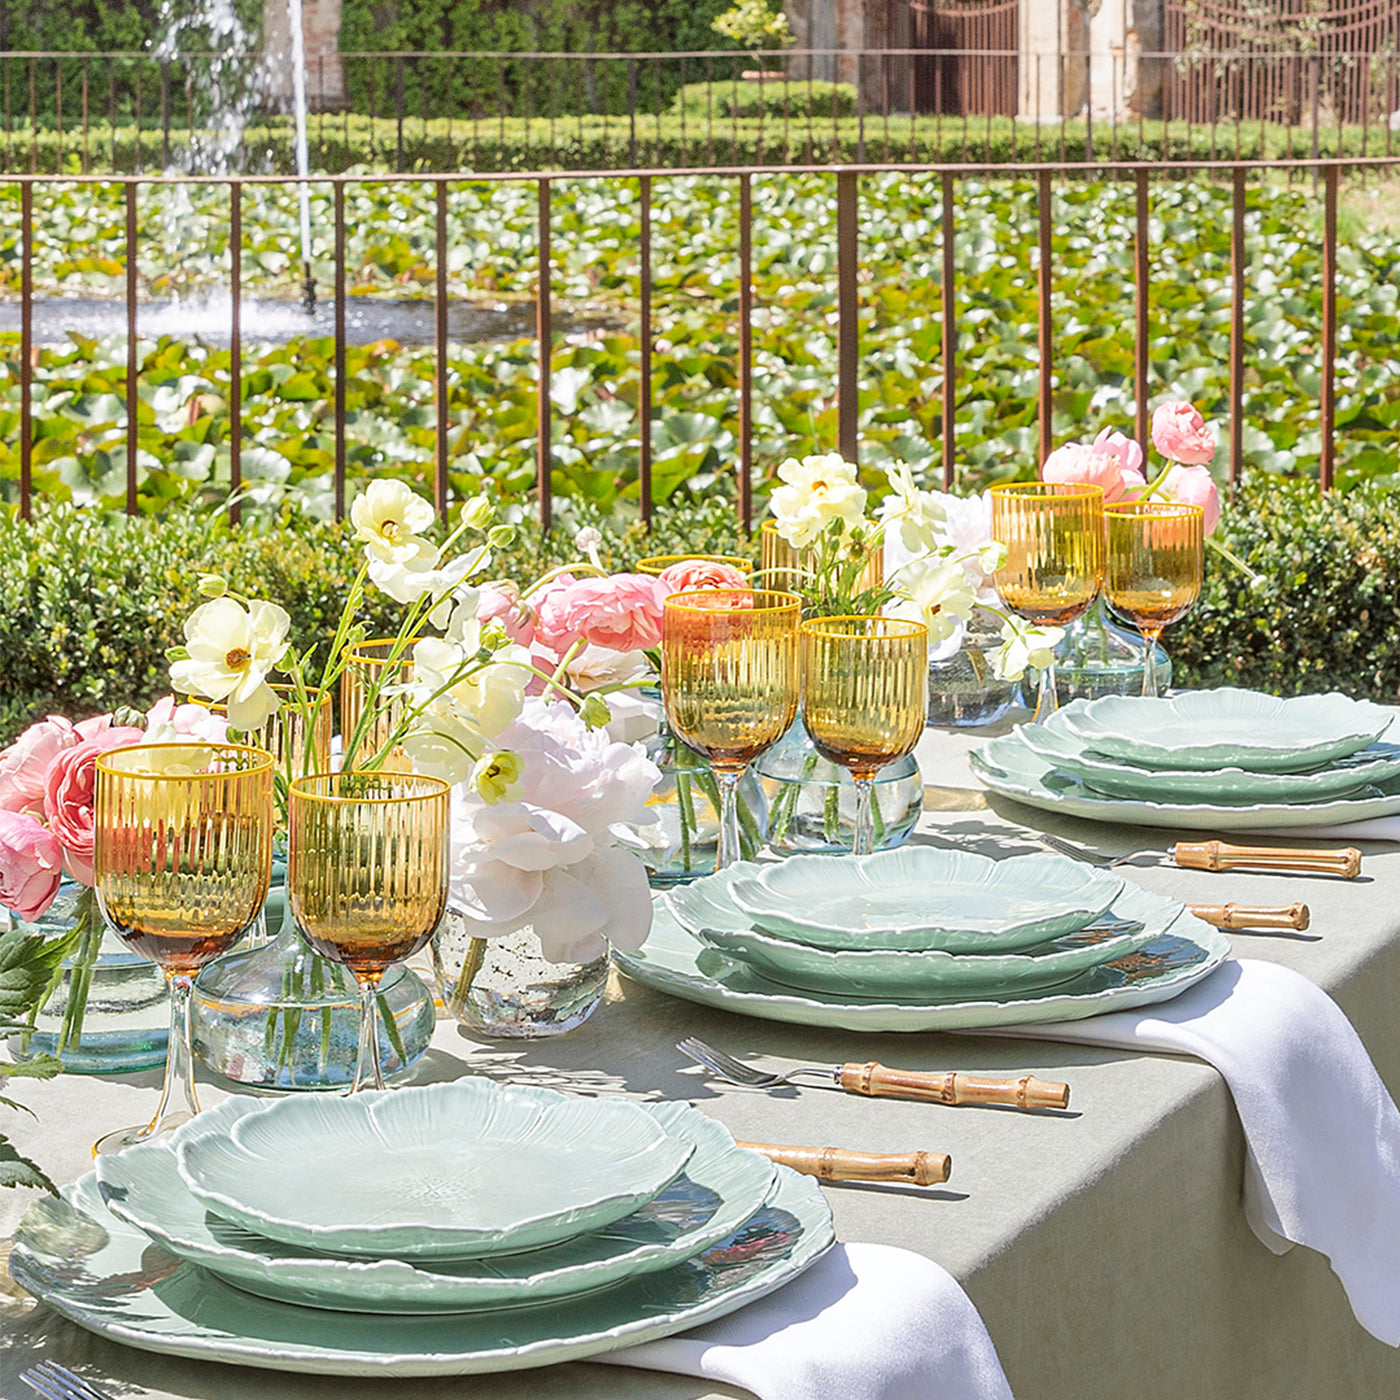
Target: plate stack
{"points": [[921, 938], [1228, 760], [434, 1230]]}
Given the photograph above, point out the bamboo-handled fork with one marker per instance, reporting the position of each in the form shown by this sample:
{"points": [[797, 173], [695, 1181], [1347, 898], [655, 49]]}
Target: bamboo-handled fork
{"points": [[1220, 855]]}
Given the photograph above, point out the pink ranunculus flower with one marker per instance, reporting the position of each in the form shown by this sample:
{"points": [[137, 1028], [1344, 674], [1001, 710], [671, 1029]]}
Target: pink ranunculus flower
{"points": [[1076, 462], [501, 602], [70, 792], [91, 728], [552, 623], [1128, 452], [31, 865], [184, 722], [621, 612], [25, 764], [1180, 434], [691, 574], [1193, 486]]}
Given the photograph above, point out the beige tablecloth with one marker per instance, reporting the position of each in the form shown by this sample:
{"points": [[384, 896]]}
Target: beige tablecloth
{"points": [[1105, 1248]]}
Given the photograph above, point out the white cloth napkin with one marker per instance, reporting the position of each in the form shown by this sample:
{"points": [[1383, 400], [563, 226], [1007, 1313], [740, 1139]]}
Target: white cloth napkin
{"points": [[865, 1322], [1323, 1135], [1376, 829]]}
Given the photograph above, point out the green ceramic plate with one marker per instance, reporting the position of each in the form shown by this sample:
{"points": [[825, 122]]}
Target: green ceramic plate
{"points": [[1224, 786], [922, 977], [109, 1277], [441, 1171], [916, 898], [1010, 766], [1209, 729], [673, 960], [719, 1189]]}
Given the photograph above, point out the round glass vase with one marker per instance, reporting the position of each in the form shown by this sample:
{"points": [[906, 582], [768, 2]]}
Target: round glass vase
{"points": [[963, 689], [1099, 656], [109, 1012], [812, 803], [280, 1017], [506, 989]]}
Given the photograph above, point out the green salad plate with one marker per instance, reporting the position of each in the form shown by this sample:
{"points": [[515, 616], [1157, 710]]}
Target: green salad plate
{"points": [[721, 1187], [111, 1278], [1185, 949], [438, 1171], [1226, 728]]}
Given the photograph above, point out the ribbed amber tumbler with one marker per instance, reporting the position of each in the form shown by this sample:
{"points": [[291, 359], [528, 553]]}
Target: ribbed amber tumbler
{"points": [[367, 877], [864, 698], [1153, 569], [657, 564], [182, 855], [1053, 533], [782, 565], [729, 680]]}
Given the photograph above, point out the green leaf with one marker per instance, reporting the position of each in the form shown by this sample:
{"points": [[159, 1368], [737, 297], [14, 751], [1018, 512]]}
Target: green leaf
{"points": [[28, 962], [16, 1170]]}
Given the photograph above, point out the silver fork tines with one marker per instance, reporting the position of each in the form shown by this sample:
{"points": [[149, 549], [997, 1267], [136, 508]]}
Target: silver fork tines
{"points": [[59, 1383], [736, 1071]]}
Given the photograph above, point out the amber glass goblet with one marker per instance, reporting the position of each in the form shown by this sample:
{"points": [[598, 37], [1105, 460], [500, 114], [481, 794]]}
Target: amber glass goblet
{"points": [[1053, 533], [729, 680], [371, 677], [657, 564], [1153, 569], [864, 699], [367, 878], [182, 855]]}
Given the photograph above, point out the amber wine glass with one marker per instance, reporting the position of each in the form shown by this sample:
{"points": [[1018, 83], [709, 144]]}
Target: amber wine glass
{"points": [[1053, 533], [1156, 558], [367, 878], [729, 680], [182, 855], [373, 669], [864, 699], [656, 564]]}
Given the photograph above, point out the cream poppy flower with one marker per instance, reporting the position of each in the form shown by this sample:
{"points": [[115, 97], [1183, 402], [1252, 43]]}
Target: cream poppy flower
{"points": [[816, 491], [389, 517], [1023, 645], [231, 650], [919, 515], [935, 591]]}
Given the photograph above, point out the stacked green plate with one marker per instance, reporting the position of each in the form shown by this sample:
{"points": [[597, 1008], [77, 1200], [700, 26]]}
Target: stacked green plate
{"points": [[1225, 760], [134, 1252]]}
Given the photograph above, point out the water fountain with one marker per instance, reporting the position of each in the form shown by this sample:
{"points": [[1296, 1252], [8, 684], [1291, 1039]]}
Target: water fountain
{"points": [[298, 57]]}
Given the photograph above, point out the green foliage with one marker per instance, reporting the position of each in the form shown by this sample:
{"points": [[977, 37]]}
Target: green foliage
{"points": [[774, 98], [1327, 613], [753, 24]]}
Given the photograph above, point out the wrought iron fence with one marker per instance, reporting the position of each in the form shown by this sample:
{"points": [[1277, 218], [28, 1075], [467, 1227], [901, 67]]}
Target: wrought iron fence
{"points": [[132, 112], [955, 305]]}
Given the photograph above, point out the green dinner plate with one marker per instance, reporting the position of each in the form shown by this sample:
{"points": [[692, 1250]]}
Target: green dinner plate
{"points": [[1225, 786], [1226, 728], [917, 898], [113, 1279], [720, 1188], [440, 1171], [1009, 765], [673, 960]]}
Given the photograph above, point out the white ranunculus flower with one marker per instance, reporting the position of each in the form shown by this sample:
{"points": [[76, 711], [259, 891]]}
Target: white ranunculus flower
{"points": [[552, 857], [231, 650], [935, 591], [816, 491], [1024, 645], [389, 517], [408, 580], [596, 666], [919, 514]]}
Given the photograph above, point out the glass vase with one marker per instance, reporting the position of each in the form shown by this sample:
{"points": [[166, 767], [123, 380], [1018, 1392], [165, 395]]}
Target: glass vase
{"points": [[963, 689], [505, 988], [1098, 656], [812, 803], [281, 1017], [110, 1011]]}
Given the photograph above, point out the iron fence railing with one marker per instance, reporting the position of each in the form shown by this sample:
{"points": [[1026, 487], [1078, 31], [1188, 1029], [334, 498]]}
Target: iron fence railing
{"points": [[847, 304], [136, 112]]}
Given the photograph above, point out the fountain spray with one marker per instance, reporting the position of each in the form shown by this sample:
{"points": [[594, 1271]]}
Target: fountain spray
{"points": [[303, 159]]}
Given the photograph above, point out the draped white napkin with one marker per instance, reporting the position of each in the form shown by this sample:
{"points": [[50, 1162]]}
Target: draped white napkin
{"points": [[865, 1322], [1376, 829], [1323, 1135]]}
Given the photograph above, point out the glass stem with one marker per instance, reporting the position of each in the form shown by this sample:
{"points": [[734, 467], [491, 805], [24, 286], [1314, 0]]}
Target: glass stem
{"points": [[179, 1062], [1047, 699], [1149, 659], [865, 820], [368, 1053], [728, 780]]}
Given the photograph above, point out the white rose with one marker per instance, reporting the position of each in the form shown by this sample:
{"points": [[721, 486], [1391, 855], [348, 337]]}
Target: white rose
{"points": [[817, 490]]}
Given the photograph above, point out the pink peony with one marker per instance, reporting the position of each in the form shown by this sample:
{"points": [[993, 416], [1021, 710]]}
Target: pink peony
{"points": [[551, 619], [25, 764], [1094, 466], [1115, 444], [31, 865], [1180, 434], [1193, 486], [691, 574], [621, 612], [188, 721], [501, 602], [70, 792]]}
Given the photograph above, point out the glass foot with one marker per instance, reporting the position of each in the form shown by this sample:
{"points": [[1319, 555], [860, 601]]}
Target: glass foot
{"points": [[129, 1137]]}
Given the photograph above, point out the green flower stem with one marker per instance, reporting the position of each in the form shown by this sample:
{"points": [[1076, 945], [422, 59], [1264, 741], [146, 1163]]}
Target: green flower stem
{"points": [[785, 808], [471, 965], [391, 1028], [832, 812], [88, 926], [686, 804]]}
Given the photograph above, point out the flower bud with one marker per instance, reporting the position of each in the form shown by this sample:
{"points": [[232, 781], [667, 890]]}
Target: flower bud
{"points": [[500, 535], [212, 586], [595, 711], [478, 513]]}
